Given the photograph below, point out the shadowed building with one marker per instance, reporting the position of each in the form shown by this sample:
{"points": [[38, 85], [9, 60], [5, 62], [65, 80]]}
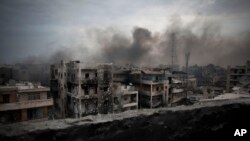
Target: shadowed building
{"points": [[24, 101], [237, 75]]}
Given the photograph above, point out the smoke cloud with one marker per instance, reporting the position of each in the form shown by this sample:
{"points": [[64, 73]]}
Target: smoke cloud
{"points": [[201, 38]]}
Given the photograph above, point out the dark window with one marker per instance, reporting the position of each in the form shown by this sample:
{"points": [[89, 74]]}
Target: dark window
{"points": [[33, 96], [6, 98], [105, 89], [95, 74], [35, 113], [157, 88], [105, 75], [95, 90], [116, 101], [86, 91], [125, 98], [86, 75]]}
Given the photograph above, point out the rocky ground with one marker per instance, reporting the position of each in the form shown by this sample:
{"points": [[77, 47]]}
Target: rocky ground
{"points": [[207, 121]]}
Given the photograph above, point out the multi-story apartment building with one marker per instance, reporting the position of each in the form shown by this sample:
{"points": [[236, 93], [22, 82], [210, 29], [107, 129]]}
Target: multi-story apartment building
{"points": [[121, 76], [152, 86], [179, 84], [235, 74], [81, 88], [125, 97], [23, 102]]}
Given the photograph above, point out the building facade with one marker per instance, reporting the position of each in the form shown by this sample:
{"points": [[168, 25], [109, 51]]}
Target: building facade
{"points": [[81, 88], [152, 86], [23, 102], [125, 97], [236, 76], [178, 91]]}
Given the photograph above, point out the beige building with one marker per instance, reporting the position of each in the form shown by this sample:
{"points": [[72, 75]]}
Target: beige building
{"points": [[23, 102], [125, 97]]}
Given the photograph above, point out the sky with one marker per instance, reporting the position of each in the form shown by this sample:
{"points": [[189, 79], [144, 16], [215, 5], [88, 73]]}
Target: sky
{"points": [[85, 29]]}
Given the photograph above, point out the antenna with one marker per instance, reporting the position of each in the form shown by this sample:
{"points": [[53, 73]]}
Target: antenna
{"points": [[172, 50], [187, 55]]}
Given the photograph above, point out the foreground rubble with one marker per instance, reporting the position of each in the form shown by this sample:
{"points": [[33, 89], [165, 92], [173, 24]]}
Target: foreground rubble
{"points": [[208, 120]]}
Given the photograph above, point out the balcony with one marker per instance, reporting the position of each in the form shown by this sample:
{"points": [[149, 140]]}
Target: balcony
{"points": [[129, 105], [152, 82], [89, 81], [26, 104], [177, 90], [154, 93]]}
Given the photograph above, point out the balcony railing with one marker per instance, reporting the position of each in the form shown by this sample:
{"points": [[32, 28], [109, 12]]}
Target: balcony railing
{"points": [[130, 105], [143, 81], [151, 94], [177, 90], [26, 104], [89, 81]]}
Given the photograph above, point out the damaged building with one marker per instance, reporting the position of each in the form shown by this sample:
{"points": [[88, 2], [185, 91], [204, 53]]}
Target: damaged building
{"points": [[153, 88], [24, 102], [178, 83], [238, 76], [125, 97], [81, 88]]}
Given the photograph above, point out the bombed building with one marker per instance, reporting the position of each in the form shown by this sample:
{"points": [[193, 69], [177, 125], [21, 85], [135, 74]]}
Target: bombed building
{"points": [[81, 88], [125, 97], [238, 76], [152, 86]]}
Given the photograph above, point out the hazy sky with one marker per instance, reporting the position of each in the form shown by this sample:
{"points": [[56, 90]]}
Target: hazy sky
{"points": [[42, 27]]}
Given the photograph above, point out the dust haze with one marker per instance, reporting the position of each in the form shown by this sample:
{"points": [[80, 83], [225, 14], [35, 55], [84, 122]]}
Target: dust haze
{"points": [[202, 38]]}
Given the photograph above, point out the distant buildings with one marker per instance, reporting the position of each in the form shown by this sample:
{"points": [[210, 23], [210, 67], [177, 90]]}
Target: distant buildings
{"points": [[209, 75], [23, 102], [25, 72], [238, 76]]}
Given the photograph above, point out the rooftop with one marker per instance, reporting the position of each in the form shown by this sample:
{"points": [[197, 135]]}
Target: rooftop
{"points": [[23, 86]]}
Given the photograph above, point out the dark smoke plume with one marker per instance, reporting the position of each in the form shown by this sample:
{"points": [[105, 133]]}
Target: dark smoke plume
{"points": [[202, 38]]}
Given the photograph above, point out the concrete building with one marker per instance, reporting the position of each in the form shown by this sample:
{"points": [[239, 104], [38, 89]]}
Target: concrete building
{"points": [[178, 90], [125, 97], [121, 76], [235, 76], [81, 88], [23, 102], [152, 86]]}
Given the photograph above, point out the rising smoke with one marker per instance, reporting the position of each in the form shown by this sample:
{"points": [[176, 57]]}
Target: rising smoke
{"points": [[202, 38]]}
